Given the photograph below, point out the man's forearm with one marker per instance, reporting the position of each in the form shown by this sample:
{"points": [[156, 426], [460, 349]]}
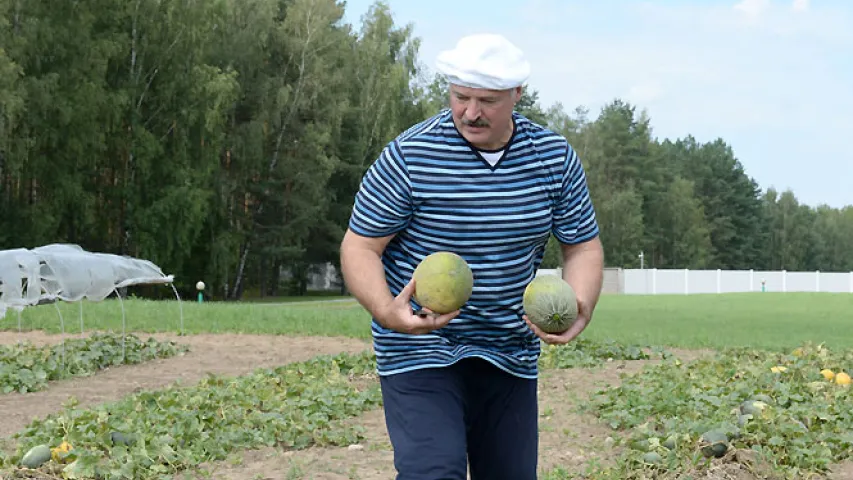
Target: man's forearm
{"points": [[364, 277], [583, 269]]}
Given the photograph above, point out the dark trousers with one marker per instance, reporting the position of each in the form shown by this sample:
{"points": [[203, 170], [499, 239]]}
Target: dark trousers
{"points": [[441, 419]]}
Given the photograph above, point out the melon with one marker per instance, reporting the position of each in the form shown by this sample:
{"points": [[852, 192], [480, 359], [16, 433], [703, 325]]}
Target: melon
{"points": [[714, 443], [752, 407], [652, 458], [443, 282], [550, 303], [119, 438], [36, 456]]}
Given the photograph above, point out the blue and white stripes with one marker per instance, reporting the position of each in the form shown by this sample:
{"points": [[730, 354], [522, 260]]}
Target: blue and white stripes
{"points": [[435, 192]]}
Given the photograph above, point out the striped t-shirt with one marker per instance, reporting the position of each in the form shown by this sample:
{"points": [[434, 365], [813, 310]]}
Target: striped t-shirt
{"points": [[431, 188]]}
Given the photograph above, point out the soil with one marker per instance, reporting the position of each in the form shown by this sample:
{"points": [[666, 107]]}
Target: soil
{"points": [[225, 354], [569, 438]]}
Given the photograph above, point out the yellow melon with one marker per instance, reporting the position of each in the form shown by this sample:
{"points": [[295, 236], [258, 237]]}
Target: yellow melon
{"points": [[443, 282]]}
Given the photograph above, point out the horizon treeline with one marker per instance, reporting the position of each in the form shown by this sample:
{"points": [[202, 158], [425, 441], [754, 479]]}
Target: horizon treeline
{"points": [[225, 140]]}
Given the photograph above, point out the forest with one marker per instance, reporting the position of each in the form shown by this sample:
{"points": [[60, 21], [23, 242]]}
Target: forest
{"points": [[225, 140]]}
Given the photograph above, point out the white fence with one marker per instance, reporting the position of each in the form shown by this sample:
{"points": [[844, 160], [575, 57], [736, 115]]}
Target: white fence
{"points": [[653, 281]]}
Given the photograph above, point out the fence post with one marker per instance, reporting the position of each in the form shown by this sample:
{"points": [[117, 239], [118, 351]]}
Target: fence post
{"points": [[655, 281], [686, 281], [817, 281], [719, 280], [784, 280], [751, 280], [851, 282]]}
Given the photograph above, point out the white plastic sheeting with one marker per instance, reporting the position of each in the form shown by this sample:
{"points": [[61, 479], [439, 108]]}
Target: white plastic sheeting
{"points": [[66, 272]]}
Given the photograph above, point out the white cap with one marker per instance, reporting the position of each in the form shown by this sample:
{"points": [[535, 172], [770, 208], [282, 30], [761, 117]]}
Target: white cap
{"points": [[487, 61]]}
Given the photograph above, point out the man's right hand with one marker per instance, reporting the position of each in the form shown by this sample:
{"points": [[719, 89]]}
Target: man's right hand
{"points": [[398, 315]]}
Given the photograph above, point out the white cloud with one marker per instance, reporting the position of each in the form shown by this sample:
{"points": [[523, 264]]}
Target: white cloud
{"points": [[695, 56], [800, 5], [770, 78], [762, 76], [644, 93], [752, 8]]}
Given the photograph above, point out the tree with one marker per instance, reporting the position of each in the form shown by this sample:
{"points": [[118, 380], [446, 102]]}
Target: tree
{"points": [[225, 141], [687, 242]]}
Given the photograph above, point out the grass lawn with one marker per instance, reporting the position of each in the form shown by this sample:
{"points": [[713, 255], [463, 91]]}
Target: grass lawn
{"points": [[758, 320], [673, 401]]}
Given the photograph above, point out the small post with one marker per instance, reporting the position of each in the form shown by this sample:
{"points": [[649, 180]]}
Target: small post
{"points": [[654, 281], [200, 287], [719, 281]]}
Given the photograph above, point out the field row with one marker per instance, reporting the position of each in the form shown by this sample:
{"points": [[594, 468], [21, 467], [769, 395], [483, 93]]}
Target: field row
{"points": [[755, 320], [25, 367], [674, 416], [773, 412], [165, 431]]}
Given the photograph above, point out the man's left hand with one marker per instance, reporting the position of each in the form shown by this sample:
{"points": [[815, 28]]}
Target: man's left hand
{"points": [[562, 338]]}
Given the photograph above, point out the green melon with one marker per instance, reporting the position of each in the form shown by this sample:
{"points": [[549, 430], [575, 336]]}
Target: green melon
{"points": [[753, 407], [550, 303], [119, 438], [443, 282], [36, 456], [714, 443], [652, 458]]}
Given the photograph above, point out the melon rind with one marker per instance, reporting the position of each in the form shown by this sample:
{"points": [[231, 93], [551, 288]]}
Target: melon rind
{"points": [[550, 303]]}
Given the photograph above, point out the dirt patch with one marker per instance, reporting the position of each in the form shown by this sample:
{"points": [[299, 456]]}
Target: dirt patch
{"points": [[568, 438], [842, 471], [371, 459], [742, 465], [222, 354]]}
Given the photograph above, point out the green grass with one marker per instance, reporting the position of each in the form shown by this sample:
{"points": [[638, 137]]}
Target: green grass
{"points": [[755, 321], [336, 318], [758, 320], [312, 295]]}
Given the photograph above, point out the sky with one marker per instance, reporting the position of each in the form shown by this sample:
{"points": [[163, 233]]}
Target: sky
{"points": [[772, 78]]}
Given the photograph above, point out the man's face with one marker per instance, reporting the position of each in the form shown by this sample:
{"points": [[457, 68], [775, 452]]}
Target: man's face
{"points": [[484, 117]]}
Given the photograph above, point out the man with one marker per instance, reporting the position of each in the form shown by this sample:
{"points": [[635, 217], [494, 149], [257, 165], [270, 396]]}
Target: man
{"points": [[486, 183]]}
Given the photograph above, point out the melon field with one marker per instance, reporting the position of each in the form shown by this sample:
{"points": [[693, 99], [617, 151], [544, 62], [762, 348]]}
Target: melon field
{"points": [[741, 387]]}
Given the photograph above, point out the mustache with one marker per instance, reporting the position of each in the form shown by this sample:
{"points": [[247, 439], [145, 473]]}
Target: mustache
{"points": [[475, 123]]}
